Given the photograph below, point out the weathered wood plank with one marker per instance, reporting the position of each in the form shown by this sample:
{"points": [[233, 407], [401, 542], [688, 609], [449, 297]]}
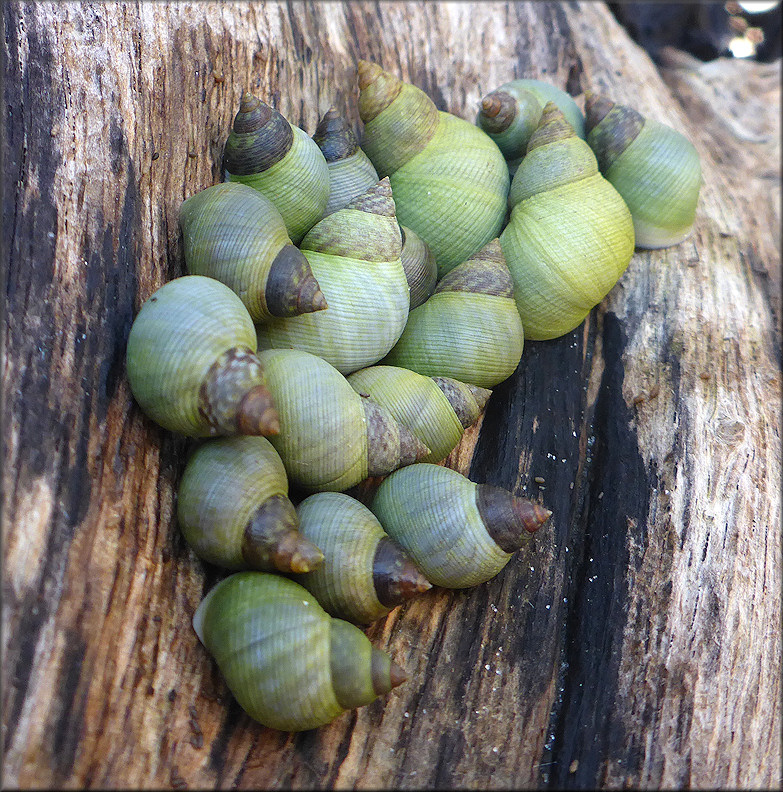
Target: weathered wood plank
{"points": [[636, 641]]}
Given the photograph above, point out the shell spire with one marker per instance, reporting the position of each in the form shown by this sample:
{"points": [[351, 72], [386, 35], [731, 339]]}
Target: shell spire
{"points": [[192, 365], [364, 575], [281, 161], [288, 663], [234, 511]]}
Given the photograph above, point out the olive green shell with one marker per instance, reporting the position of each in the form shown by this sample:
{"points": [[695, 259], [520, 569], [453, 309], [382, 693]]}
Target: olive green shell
{"points": [[655, 169], [191, 361], [330, 437], [511, 113], [436, 409], [355, 255], [350, 170], [570, 236], [421, 269], [469, 329], [233, 233], [279, 160], [449, 179], [233, 508], [364, 575], [351, 174], [289, 664], [459, 533]]}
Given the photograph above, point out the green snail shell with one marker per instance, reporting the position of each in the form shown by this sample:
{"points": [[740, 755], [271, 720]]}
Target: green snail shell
{"points": [[350, 170], [469, 329], [570, 236], [279, 160], [233, 233], [655, 169], [191, 362], [233, 508], [330, 437], [511, 113], [288, 663], [364, 574], [436, 409], [421, 269], [449, 179], [459, 533], [351, 173], [355, 255]]}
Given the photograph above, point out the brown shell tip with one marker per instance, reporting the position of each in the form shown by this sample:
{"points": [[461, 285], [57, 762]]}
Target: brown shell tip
{"points": [[397, 675], [376, 200], [368, 72], [490, 105], [305, 558], [481, 395], [256, 414], [491, 252], [596, 109], [248, 102], [395, 576], [533, 515], [318, 301]]}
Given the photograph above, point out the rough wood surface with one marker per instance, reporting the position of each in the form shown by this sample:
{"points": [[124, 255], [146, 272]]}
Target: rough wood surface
{"points": [[636, 643]]}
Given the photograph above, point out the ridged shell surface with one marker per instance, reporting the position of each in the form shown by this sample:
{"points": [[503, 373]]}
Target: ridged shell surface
{"points": [[179, 333], [431, 512], [570, 236], [415, 401], [298, 185], [223, 485], [354, 254], [323, 436], [348, 534], [274, 645], [453, 194]]}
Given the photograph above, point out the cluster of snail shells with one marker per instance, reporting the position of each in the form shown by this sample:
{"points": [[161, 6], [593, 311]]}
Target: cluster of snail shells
{"points": [[315, 262]]}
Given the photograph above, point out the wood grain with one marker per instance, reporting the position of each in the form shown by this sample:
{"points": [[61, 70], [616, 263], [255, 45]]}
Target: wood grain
{"points": [[636, 642]]}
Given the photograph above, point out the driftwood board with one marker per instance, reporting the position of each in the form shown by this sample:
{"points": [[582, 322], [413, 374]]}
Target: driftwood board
{"points": [[636, 642]]}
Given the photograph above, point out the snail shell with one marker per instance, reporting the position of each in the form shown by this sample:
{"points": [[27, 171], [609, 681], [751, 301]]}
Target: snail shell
{"points": [[355, 255], [364, 574], [655, 169], [279, 160], [469, 329], [288, 663], [330, 437], [233, 233], [436, 409], [233, 508], [191, 362], [449, 180], [511, 113], [351, 173], [570, 236], [459, 533]]}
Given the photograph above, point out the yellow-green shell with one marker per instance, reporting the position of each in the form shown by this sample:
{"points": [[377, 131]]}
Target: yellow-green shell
{"points": [[658, 174], [348, 534], [224, 483], [431, 512], [469, 329], [530, 97], [415, 401], [570, 235], [282, 655], [449, 180], [178, 334], [298, 185], [233, 233], [354, 254], [323, 434]]}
